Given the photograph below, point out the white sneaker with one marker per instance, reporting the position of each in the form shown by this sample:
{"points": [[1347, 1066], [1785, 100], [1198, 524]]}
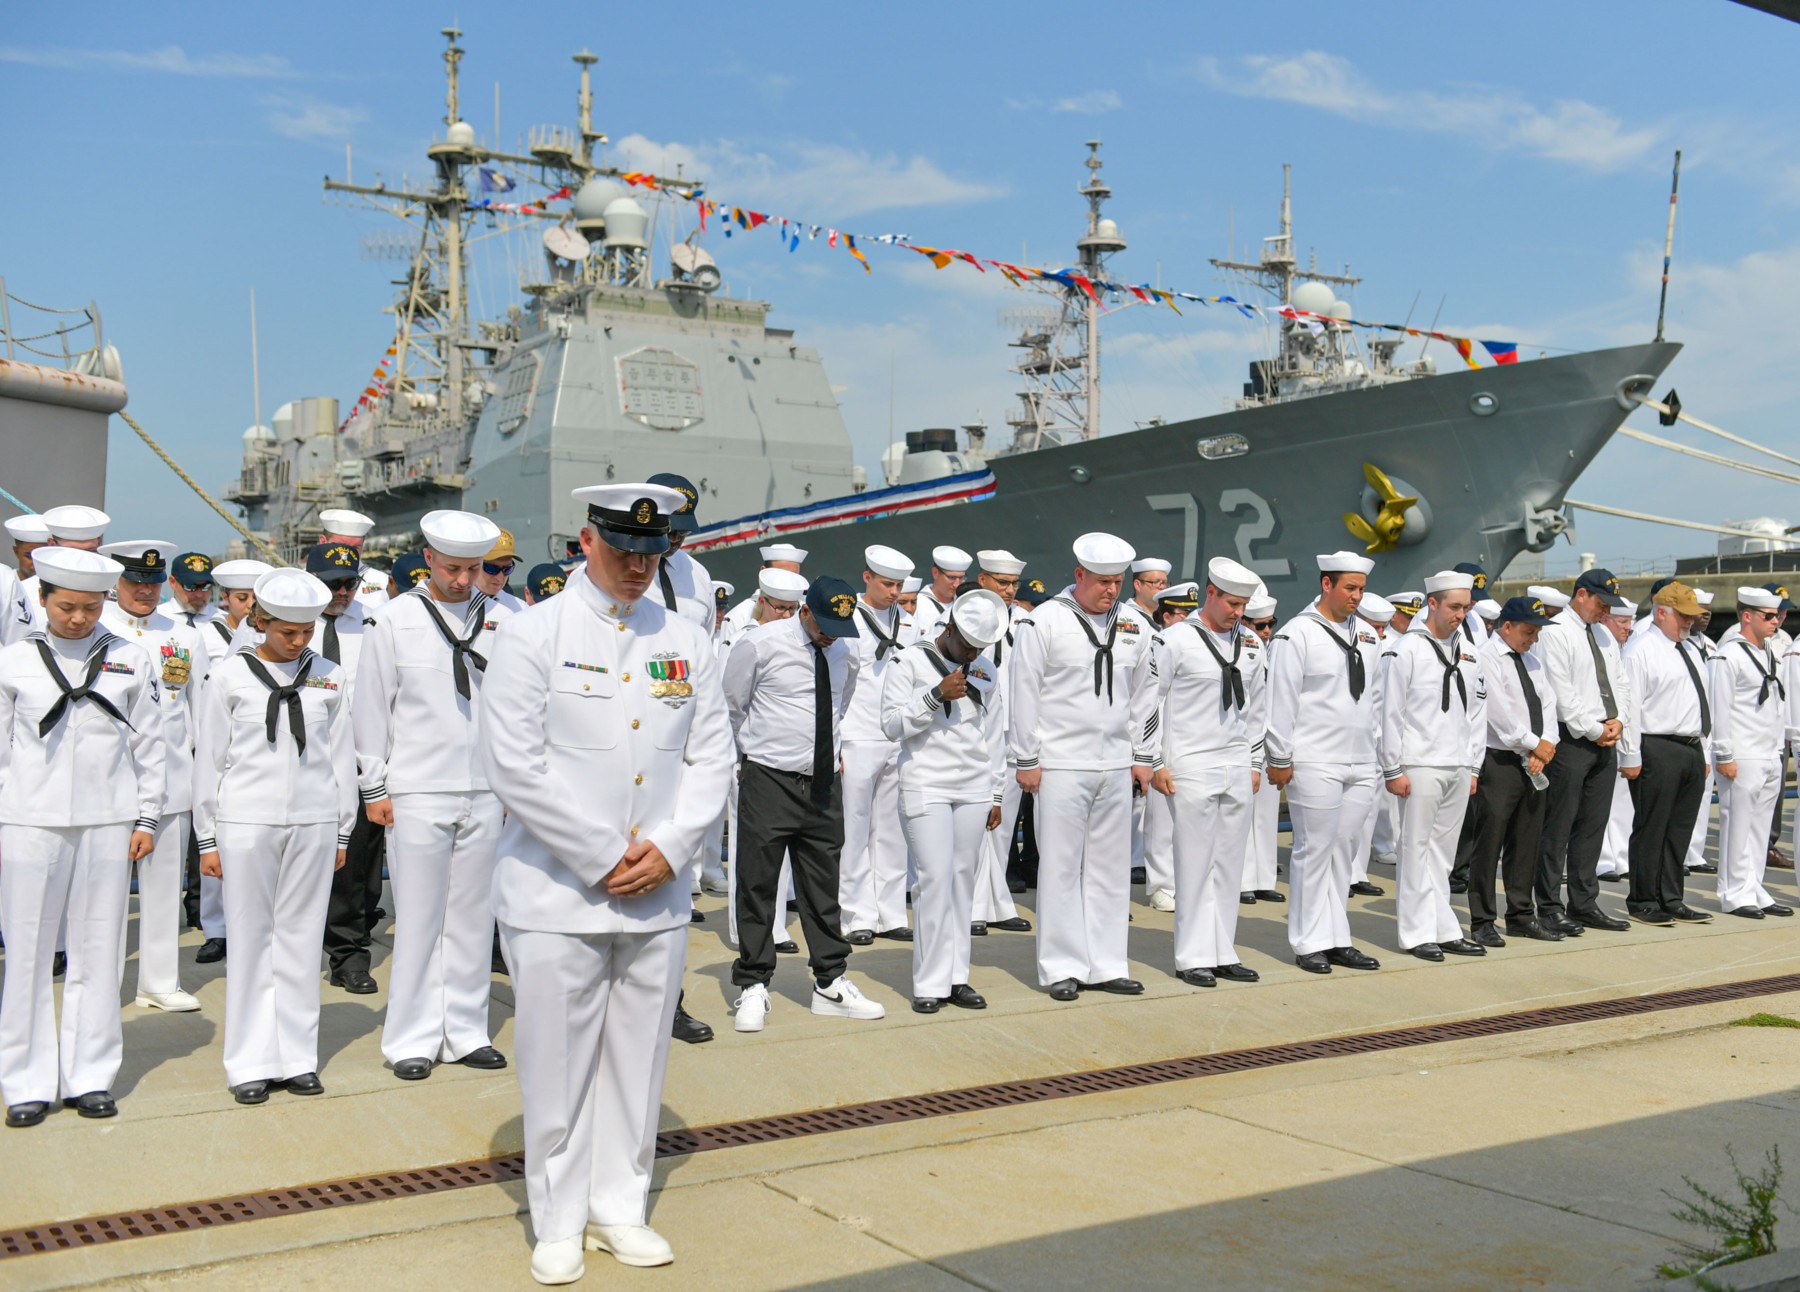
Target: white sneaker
{"points": [[752, 1008], [1162, 900], [1385, 858], [173, 1002], [843, 1000], [558, 1262], [717, 887], [630, 1244]]}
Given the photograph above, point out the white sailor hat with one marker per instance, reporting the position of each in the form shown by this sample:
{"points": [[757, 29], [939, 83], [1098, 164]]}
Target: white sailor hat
{"points": [[1150, 564], [1748, 598], [145, 560], [1261, 606], [239, 574], [1488, 609], [781, 585], [1628, 609], [73, 523], [1103, 554], [997, 560], [980, 617], [1704, 597], [886, 562], [28, 529], [1377, 610], [1411, 602], [76, 570], [292, 596], [1552, 597], [458, 534], [912, 583], [1231, 578], [1448, 581], [1344, 563], [951, 560], [629, 517], [783, 552], [351, 524]]}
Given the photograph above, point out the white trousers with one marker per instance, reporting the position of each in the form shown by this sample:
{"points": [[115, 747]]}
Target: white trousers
{"points": [[872, 869], [277, 884], [1328, 803], [1696, 853], [1139, 803], [159, 909], [1210, 815], [1365, 837], [1431, 819], [1159, 843], [212, 907], [441, 857], [993, 899], [1084, 880], [712, 855], [591, 1044], [1746, 807], [1615, 848], [945, 843], [784, 883], [79, 874], [1385, 845], [1262, 847]]}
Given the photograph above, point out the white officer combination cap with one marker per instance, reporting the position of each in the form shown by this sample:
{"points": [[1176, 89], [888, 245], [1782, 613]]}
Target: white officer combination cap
{"points": [[783, 552], [1489, 609], [781, 585], [1377, 610], [74, 523], [1260, 606], [1178, 591], [76, 570], [1748, 598], [1103, 554], [1448, 581], [1412, 602], [1232, 579], [951, 560], [911, 585], [980, 616], [886, 562], [1344, 563], [459, 534], [28, 529], [292, 596], [722, 589], [351, 524], [997, 560], [1552, 597], [1150, 564], [239, 574]]}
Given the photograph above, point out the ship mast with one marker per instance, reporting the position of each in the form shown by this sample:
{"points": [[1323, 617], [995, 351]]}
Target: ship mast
{"points": [[1278, 269]]}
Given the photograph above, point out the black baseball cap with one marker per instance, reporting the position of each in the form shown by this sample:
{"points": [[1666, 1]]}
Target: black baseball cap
{"points": [[685, 520], [1523, 610], [333, 562], [192, 570], [1603, 585], [546, 580], [833, 606]]}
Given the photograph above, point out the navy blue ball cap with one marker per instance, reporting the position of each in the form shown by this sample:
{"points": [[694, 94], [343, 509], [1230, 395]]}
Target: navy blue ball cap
{"points": [[1602, 584], [546, 580], [833, 606], [333, 562], [409, 570], [1780, 590], [685, 520], [1523, 610], [1478, 574], [192, 570]]}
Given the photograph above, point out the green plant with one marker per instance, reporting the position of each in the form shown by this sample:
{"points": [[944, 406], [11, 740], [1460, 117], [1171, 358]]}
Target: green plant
{"points": [[1766, 1020], [1740, 1230]]}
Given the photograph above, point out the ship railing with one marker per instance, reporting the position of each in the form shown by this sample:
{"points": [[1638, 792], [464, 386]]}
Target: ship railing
{"points": [[44, 330]]}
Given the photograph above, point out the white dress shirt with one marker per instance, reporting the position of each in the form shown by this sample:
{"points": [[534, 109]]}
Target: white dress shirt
{"points": [[352, 631], [690, 586], [1563, 647], [1667, 700], [1312, 716], [1508, 716], [179, 658], [1421, 726], [862, 720], [1065, 715], [769, 693], [1749, 704], [15, 614], [1199, 729], [951, 751]]}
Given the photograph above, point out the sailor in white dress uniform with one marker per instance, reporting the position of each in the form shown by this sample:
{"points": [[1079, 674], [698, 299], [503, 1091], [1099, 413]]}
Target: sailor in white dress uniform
{"points": [[1083, 696], [1149, 576], [70, 525], [180, 662], [418, 731], [274, 803], [948, 566], [1749, 711], [1175, 604], [1262, 850], [998, 571], [81, 793], [942, 703], [609, 747], [28, 533]]}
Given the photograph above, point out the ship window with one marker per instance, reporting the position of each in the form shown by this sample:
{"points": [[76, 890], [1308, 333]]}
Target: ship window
{"points": [[1482, 404], [1215, 447]]}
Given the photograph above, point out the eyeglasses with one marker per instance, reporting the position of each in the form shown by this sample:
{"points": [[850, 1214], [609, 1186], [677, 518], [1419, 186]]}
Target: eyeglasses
{"points": [[501, 567], [1260, 624]]}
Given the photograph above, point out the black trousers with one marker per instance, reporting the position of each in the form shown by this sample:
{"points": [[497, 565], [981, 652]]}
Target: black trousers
{"points": [[1465, 842], [1665, 803], [355, 893], [1581, 789], [190, 887], [776, 814], [1510, 825], [1022, 855]]}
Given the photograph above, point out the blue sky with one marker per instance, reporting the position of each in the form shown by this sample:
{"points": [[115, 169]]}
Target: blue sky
{"points": [[1511, 163]]}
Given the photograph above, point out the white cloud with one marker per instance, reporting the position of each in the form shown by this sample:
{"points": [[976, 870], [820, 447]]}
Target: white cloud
{"points": [[1573, 131], [312, 120], [1091, 103], [170, 59]]}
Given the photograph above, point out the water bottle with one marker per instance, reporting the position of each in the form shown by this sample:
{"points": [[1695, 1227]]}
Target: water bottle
{"points": [[1539, 781]]}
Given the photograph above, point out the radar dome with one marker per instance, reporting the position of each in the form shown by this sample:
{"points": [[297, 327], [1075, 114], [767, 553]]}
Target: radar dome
{"points": [[258, 435], [1107, 228], [461, 133], [627, 224], [593, 197], [1314, 298], [1339, 310]]}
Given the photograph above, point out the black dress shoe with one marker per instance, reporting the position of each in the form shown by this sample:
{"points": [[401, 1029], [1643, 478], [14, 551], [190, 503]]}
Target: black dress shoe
{"points": [[413, 1069], [695, 917], [1486, 935], [793, 907], [1427, 951], [1704, 868], [251, 1092], [1197, 977], [792, 948], [1247, 899], [964, 996], [1313, 962], [59, 963], [1598, 919], [95, 1103], [211, 951], [860, 937], [1776, 908], [901, 934], [1138, 875], [1363, 888], [1116, 987], [29, 1113], [1462, 947], [355, 981], [1351, 958], [1236, 973], [307, 1083], [1017, 924], [1682, 913], [1459, 886], [1065, 989], [1746, 912], [1617, 877], [1562, 924], [926, 1004], [683, 1027], [978, 929], [488, 1059], [1652, 917], [1533, 929], [1015, 885], [1268, 895]]}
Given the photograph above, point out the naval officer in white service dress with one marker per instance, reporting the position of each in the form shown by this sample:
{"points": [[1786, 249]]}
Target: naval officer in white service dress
{"points": [[609, 748]]}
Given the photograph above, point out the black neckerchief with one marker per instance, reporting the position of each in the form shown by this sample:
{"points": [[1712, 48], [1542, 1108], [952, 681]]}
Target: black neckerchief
{"points": [[73, 695], [1358, 670], [1001, 645], [462, 649], [1231, 678], [222, 628], [884, 642], [280, 695], [1450, 670], [1770, 682], [945, 669], [1103, 652]]}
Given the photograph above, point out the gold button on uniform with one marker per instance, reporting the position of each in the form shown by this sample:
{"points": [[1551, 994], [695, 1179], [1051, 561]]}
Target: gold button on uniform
{"points": [[586, 687], [628, 677], [634, 832], [640, 779], [634, 724]]}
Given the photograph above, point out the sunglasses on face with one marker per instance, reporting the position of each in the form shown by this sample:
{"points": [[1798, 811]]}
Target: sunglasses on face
{"points": [[1768, 616], [502, 567], [338, 585], [1260, 624]]}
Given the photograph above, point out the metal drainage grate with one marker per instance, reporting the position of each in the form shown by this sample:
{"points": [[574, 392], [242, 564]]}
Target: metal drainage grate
{"points": [[94, 1230]]}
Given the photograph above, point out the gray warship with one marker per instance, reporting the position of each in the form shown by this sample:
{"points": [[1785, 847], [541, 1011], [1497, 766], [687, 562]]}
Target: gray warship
{"points": [[610, 369]]}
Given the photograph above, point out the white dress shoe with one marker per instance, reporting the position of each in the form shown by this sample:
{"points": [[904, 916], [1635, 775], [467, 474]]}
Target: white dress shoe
{"points": [[560, 1261], [843, 1000], [716, 887], [173, 1002], [752, 1008], [630, 1244], [1162, 900]]}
